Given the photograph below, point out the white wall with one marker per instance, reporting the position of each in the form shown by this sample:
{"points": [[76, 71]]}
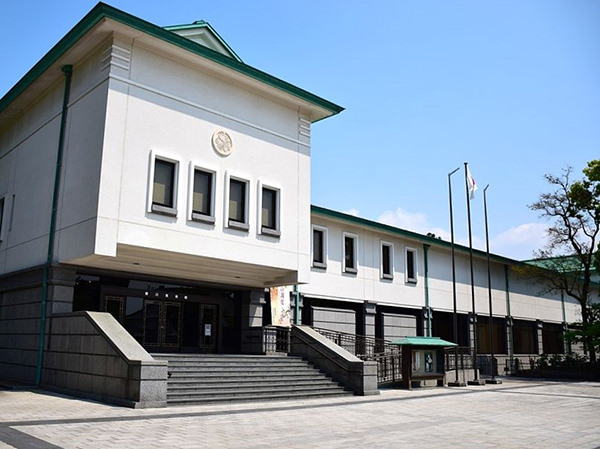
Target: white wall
{"points": [[129, 102], [28, 152], [526, 299], [169, 109]]}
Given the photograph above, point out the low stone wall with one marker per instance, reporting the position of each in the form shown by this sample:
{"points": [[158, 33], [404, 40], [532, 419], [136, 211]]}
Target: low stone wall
{"points": [[343, 367], [464, 376], [89, 354]]}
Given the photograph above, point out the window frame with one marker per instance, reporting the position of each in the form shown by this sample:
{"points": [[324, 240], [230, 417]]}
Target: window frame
{"points": [[389, 275], [345, 268], [170, 211], [229, 222], [414, 256], [323, 230], [266, 230], [196, 215], [3, 213]]}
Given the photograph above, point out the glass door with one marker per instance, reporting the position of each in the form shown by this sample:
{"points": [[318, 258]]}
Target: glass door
{"points": [[114, 306], [152, 323], [208, 328], [162, 324], [172, 324]]}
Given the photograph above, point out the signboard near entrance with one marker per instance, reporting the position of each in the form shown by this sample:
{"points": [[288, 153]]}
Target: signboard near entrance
{"points": [[207, 330], [280, 306]]}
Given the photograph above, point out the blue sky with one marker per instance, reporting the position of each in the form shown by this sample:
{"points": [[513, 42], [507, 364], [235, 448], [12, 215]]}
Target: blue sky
{"points": [[512, 87]]}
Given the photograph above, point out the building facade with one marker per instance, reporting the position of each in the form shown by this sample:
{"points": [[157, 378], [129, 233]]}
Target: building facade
{"points": [[149, 173]]}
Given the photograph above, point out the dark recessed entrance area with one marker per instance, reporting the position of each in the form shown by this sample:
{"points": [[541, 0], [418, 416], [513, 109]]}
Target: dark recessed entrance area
{"points": [[165, 317]]}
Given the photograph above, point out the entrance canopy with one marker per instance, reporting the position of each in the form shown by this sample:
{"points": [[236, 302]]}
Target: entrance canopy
{"points": [[423, 341]]}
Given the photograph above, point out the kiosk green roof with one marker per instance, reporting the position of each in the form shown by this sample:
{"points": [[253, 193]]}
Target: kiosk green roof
{"points": [[423, 341]]}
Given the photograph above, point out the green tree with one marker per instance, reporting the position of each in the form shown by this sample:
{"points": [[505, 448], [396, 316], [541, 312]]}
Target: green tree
{"points": [[586, 332], [571, 257]]}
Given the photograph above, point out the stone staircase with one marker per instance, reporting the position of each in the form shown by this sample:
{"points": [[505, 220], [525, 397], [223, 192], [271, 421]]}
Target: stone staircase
{"points": [[201, 379]]}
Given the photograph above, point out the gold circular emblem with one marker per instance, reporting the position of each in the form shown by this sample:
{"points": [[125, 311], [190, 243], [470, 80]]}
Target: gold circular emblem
{"points": [[222, 143]]}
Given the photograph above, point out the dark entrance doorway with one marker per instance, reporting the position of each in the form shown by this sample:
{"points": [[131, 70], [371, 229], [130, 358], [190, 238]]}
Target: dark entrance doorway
{"points": [[162, 325], [200, 331], [177, 318]]}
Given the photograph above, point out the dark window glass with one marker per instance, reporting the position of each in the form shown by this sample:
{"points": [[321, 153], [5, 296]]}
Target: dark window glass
{"points": [[203, 186], [164, 180], [524, 337], [237, 201], [349, 256], [552, 339], [386, 259], [411, 274], [269, 208], [318, 246], [1, 214], [483, 335]]}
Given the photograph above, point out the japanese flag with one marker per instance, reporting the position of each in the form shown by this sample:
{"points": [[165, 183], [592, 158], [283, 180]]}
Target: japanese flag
{"points": [[471, 184]]}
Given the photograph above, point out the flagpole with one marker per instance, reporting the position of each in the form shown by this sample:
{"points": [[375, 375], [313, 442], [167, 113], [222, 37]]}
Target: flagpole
{"points": [[457, 382], [493, 380], [471, 189]]}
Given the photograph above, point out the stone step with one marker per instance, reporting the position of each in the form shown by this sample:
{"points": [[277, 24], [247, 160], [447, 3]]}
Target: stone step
{"points": [[226, 357], [239, 368], [253, 391], [255, 398], [199, 378], [259, 384], [236, 377]]}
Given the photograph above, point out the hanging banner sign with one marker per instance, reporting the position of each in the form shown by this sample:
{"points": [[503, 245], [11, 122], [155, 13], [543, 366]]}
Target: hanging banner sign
{"points": [[281, 312]]}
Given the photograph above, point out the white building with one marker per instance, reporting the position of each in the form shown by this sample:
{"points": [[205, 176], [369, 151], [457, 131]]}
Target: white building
{"points": [[148, 172]]}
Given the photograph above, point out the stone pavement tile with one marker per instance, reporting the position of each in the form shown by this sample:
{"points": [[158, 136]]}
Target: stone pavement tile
{"points": [[517, 414]]}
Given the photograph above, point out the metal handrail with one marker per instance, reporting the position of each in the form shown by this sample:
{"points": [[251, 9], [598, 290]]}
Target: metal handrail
{"points": [[465, 358], [387, 356], [359, 345], [276, 339]]}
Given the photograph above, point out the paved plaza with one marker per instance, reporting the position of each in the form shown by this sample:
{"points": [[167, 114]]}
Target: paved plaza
{"points": [[516, 414]]}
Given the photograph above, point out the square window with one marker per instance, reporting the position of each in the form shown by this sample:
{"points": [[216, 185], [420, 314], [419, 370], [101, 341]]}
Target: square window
{"points": [[319, 248], [203, 196], [164, 187], [387, 260], [350, 265], [269, 219], [238, 204], [411, 265]]}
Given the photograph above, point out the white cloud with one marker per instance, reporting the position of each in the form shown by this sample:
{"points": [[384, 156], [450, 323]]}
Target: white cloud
{"points": [[353, 212], [520, 242], [411, 221], [516, 243]]}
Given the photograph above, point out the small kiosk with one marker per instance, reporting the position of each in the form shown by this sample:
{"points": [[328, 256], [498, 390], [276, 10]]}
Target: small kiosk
{"points": [[423, 360]]}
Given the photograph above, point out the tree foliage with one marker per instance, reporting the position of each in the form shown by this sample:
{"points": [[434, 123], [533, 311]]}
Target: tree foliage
{"points": [[570, 259], [586, 332]]}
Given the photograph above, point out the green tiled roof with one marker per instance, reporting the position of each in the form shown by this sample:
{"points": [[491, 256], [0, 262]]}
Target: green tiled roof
{"points": [[423, 341], [103, 11], [425, 239]]}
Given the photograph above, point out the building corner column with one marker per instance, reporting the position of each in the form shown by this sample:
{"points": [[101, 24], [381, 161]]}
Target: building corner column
{"points": [[252, 321], [369, 313]]}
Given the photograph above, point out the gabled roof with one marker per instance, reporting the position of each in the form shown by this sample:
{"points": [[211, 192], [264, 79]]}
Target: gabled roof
{"points": [[104, 13], [202, 33]]}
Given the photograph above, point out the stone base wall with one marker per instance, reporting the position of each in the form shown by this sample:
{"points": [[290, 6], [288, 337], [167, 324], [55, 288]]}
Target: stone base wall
{"points": [[20, 313], [91, 355], [343, 367]]}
